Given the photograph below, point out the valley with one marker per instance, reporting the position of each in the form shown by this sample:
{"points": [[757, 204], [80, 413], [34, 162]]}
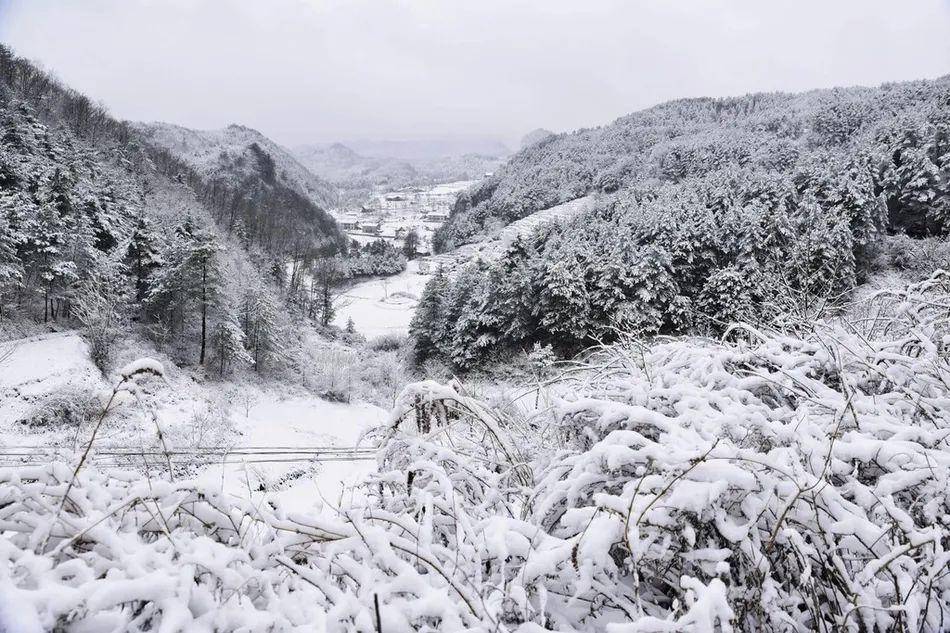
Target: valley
{"points": [[687, 370]]}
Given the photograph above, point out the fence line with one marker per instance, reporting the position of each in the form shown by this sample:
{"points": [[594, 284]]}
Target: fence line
{"points": [[26, 455]]}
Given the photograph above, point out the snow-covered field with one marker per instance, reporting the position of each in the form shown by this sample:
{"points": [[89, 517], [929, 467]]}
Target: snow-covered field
{"points": [[383, 305], [294, 423]]}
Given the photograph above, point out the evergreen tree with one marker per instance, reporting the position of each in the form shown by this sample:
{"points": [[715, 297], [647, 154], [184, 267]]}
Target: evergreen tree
{"points": [[428, 323], [205, 264], [142, 257], [11, 271], [563, 302], [260, 320], [327, 273], [227, 339], [410, 245], [190, 280]]}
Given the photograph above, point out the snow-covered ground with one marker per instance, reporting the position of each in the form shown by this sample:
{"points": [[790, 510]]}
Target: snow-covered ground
{"points": [[35, 367], [50, 368], [383, 305], [293, 423]]}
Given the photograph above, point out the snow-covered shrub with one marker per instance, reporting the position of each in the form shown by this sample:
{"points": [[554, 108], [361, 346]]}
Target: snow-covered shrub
{"points": [[769, 482], [386, 343], [136, 555], [785, 483], [69, 407], [916, 256]]}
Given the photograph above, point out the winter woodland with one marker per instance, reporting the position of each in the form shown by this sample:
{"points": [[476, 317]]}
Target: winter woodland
{"points": [[687, 371]]}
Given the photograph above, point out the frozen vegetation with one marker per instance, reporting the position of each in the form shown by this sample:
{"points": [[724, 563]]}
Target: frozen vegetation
{"points": [[686, 372], [768, 481]]}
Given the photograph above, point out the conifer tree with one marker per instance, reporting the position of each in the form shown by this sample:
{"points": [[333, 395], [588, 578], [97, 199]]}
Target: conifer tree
{"points": [[227, 339], [190, 280], [11, 272], [260, 321], [142, 257], [428, 322]]}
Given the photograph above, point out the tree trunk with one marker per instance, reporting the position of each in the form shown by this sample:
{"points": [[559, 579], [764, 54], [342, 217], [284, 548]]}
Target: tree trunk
{"points": [[204, 310]]}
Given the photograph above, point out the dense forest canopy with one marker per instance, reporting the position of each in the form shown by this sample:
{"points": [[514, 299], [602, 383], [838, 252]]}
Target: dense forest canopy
{"points": [[708, 211], [250, 179]]}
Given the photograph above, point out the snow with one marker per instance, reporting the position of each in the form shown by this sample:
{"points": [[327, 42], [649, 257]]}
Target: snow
{"points": [[17, 615], [41, 365], [695, 485], [386, 305], [142, 366], [45, 366], [297, 422]]}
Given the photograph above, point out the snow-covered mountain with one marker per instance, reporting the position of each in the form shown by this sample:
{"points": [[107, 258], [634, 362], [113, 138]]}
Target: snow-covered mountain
{"points": [[232, 150], [535, 136], [398, 164]]}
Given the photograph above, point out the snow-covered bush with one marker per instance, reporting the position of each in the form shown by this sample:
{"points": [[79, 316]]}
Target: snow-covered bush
{"points": [[780, 484], [69, 407], [767, 482]]}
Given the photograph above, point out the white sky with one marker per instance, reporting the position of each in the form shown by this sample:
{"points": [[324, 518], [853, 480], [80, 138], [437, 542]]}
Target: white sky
{"points": [[321, 70]]}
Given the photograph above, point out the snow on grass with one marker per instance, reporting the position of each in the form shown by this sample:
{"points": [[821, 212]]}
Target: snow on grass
{"points": [[54, 372], [296, 422]]}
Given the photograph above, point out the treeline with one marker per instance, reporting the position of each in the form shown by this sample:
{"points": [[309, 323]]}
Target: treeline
{"points": [[76, 245], [723, 227]]}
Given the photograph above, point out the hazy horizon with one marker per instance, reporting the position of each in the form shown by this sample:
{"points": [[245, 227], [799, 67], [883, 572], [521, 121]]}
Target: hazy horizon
{"points": [[308, 72]]}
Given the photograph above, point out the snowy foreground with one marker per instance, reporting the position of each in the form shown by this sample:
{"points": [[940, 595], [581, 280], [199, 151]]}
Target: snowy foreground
{"points": [[774, 482]]}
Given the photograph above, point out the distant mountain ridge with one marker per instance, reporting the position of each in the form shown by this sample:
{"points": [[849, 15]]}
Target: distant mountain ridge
{"points": [[215, 151], [377, 164], [428, 149]]}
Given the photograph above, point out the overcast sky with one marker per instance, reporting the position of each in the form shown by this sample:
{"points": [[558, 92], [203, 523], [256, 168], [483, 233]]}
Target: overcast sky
{"points": [[320, 70]]}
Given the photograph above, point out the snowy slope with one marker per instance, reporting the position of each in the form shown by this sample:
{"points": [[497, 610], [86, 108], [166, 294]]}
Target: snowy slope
{"points": [[210, 151], [34, 367]]}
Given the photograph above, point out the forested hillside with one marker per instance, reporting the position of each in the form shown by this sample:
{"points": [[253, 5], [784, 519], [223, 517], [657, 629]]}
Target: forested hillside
{"points": [[692, 138], [710, 211], [255, 182], [102, 229]]}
